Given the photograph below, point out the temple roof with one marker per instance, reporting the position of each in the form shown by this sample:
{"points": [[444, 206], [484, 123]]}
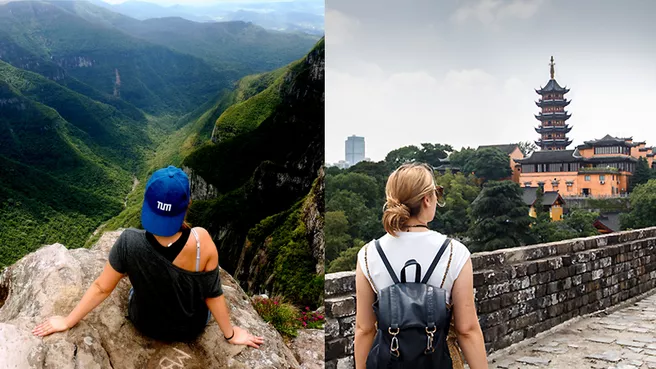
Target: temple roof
{"points": [[506, 148], [550, 156], [607, 140], [610, 221], [529, 196]]}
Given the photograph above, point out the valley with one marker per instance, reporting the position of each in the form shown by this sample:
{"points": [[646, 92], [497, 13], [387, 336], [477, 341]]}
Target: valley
{"points": [[92, 102]]}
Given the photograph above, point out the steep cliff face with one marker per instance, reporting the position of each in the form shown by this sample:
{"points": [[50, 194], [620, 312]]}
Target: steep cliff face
{"points": [[262, 178], [53, 279], [284, 253]]}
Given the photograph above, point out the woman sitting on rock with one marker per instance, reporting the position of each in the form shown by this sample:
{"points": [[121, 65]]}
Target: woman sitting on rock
{"points": [[175, 277]]}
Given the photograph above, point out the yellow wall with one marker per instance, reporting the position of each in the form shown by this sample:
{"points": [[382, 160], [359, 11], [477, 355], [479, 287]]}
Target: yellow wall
{"points": [[516, 154], [556, 213]]}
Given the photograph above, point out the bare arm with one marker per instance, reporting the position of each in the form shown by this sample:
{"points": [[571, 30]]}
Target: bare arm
{"points": [[97, 293], [365, 319], [470, 336], [218, 305]]}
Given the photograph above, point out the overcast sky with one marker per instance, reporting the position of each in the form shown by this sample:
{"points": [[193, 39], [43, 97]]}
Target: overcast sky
{"points": [[191, 2], [463, 72]]}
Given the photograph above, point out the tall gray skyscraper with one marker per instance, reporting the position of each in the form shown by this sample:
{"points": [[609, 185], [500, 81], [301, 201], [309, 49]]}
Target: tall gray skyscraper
{"points": [[354, 149]]}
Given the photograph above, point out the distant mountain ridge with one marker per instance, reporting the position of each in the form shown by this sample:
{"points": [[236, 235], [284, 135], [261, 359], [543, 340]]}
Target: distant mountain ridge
{"points": [[301, 16]]}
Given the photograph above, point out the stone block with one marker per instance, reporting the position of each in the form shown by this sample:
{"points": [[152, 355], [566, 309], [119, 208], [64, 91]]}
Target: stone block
{"points": [[340, 306], [339, 284]]}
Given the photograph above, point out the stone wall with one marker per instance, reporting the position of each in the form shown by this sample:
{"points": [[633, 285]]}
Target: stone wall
{"points": [[523, 291]]}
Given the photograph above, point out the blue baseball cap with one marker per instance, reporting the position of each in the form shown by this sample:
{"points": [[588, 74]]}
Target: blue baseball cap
{"points": [[165, 201]]}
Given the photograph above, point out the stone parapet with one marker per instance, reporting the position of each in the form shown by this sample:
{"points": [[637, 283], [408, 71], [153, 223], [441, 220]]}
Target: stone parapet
{"points": [[523, 291]]}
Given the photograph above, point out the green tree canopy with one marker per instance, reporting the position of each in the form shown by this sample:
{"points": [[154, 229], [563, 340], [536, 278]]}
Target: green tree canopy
{"points": [[643, 207], [499, 217], [400, 156], [641, 175], [582, 222], [462, 158], [347, 259], [432, 153], [459, 191], [336, 234], [489, 163]]}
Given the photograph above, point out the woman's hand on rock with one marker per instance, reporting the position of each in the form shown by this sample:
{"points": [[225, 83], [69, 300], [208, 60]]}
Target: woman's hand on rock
{"points": [[242, 337], [51, 325]]}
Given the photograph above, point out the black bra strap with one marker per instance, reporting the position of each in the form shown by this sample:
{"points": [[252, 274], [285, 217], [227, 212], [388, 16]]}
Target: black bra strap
{"points": [[437, 259], [386, 262]]}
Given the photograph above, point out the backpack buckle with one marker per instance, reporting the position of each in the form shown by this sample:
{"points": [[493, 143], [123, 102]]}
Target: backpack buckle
{"points": [[429, 341], [394, 346]]}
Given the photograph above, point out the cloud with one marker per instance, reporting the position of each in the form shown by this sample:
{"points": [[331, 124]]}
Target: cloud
{"points": [[342, 27], [490, 12], [469, 79]]}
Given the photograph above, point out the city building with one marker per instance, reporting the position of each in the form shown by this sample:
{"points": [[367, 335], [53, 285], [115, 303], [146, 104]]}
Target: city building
{"points": [[354, 150], [553, 128]]}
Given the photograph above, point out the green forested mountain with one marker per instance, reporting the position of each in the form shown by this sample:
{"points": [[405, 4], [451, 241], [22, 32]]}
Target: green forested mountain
{"points": [[263, 177], [87, 108]]}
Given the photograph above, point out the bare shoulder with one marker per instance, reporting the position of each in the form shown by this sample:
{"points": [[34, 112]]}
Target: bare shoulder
{"points": [[206, 241]]}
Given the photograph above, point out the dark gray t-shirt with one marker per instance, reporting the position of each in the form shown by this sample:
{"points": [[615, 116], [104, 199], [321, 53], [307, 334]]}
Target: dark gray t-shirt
{"points": [[168, 302]]}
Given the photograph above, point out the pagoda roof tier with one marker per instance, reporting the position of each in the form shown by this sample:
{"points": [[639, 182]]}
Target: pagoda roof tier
{"points": [[553, 115], [546, 129], [552, 102], [557, 142], [552, 86]]}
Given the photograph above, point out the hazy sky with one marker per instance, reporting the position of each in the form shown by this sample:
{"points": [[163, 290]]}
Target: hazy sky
{"points": [[463, 72], [191, 2]]}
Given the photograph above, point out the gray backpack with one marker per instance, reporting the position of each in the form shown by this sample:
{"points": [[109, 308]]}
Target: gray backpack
{"points": [[413, 321]]}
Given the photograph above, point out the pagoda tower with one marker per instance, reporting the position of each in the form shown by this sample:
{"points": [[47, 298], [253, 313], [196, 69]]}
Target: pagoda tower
{"points": [[553, 117]]}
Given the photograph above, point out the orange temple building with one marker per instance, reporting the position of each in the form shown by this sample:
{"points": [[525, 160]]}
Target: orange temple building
{"points": [[597, 168]]}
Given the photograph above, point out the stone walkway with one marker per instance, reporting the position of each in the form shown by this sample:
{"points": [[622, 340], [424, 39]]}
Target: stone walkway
{"points": [[624, 339]]}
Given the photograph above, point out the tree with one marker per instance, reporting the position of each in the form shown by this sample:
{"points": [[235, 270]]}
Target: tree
{"points": [[347, 259], [406, 154], [641, 175], [527, 147], [364, 222], [459, 192], [462, 158], [582, 222], [499, 217], [336, 234], [538, 207], [643, 207], [491, 164], [358, 183], [432, 153]]}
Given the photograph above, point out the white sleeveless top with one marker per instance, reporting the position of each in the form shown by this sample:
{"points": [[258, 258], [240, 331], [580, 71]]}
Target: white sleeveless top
{"points": [[421, 246]]}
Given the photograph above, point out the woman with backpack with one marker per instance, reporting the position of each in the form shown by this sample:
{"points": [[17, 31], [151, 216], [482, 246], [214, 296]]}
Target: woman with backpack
{"points": [[173, 268], [414, 287]]}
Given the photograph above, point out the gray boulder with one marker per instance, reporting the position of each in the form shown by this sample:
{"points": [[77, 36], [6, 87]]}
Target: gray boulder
{"points": [[53, 279]]}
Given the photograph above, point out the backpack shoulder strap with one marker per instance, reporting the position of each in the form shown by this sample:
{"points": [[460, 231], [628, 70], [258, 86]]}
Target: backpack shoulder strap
{"points": [[386, 262], [431, 268]]}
